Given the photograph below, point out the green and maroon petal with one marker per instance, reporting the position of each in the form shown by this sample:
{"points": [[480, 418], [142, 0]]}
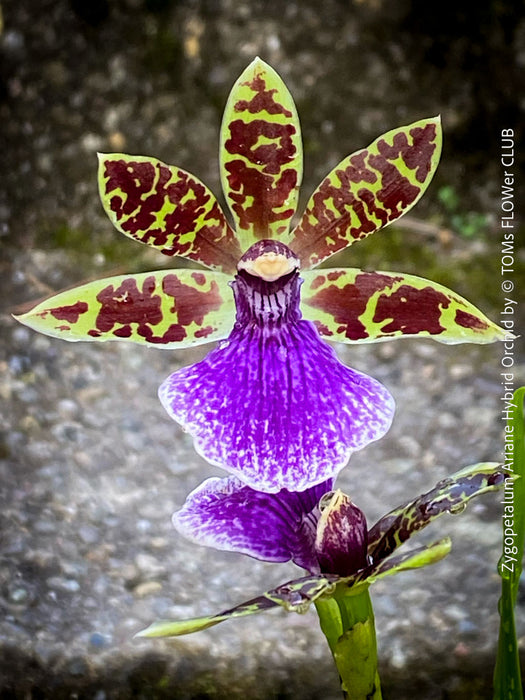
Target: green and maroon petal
{"points": [[170, 309], [368, 190], [415, 558], [261, 155], [299, 594], [350, 305], [449, 496], [294, 596], [166, 208]]}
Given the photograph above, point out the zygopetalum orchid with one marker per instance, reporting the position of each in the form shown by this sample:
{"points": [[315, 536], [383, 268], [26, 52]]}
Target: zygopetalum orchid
{"points": [[324, 532], [262, 404], [321, 530]]}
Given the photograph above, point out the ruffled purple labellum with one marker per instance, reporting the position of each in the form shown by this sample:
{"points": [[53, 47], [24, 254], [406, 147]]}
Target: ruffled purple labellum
{"points": [[273, 404], [228, 515], [342, 540]]}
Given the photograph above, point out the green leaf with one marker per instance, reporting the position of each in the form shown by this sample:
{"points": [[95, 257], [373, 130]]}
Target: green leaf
{"points": [[170, 309], [261, 155], [450, 495], [166, 208], [368, 190], [353, 306], [299, 594]]}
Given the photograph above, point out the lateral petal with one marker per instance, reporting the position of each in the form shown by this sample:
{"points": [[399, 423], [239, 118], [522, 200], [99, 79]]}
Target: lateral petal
{"points": [[168, 308], [368, 190], [166, 208], [353, 306]]}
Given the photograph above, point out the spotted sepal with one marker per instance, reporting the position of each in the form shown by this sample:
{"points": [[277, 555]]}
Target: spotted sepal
{"points": [[169, 309], [166, 208], [416, 558], [353, 306], [368, 190], [449, 496], [294, 596], [299, 594], [261, 155]]}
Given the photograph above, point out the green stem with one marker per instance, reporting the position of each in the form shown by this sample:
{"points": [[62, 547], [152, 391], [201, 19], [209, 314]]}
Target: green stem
{"points": [[347, 621]]}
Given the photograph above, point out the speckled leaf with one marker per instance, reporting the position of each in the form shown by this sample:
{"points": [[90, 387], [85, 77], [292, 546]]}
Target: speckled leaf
{"points": [[449, 496], [177, 308], [353, 306], [261, 155], [166, 208], [294, 596], [368, 190]]}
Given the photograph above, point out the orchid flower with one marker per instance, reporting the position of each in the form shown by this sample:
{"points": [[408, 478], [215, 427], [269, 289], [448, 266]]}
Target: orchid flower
{"points": [[319, 529], [272, 403], [324, 532]]}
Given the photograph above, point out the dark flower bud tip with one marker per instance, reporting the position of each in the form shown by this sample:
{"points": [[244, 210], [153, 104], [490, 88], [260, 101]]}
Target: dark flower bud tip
{"points": [[341, 541]]}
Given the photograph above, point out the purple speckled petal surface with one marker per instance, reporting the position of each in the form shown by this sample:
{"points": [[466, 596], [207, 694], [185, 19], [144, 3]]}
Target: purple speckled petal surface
{"points": [[273, 404], [228, 515]]}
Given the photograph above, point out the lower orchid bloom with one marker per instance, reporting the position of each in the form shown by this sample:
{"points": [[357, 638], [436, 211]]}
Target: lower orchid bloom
{"points": [[322, 531], [273, 393], [325, 533]]}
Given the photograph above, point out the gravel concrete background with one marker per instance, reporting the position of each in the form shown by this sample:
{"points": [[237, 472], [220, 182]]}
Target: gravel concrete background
{"points": [[91, 467]]}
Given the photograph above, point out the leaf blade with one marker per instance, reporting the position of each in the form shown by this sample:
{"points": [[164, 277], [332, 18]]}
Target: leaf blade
{"points": [[175, 628], [293, 596]]}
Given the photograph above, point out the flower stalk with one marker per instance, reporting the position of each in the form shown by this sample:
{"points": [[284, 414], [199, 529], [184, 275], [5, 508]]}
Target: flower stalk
{"points": [[347, 621]]}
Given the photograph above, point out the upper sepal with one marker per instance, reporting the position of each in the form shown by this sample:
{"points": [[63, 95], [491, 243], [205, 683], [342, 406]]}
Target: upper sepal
{"points": [[168, 308], [353, 306], [368, 190], [261, 155], [166, 208]]}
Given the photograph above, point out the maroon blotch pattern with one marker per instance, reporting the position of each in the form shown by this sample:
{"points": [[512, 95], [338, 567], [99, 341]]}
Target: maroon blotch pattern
{"points": [[412, 310], [348, 303]]}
